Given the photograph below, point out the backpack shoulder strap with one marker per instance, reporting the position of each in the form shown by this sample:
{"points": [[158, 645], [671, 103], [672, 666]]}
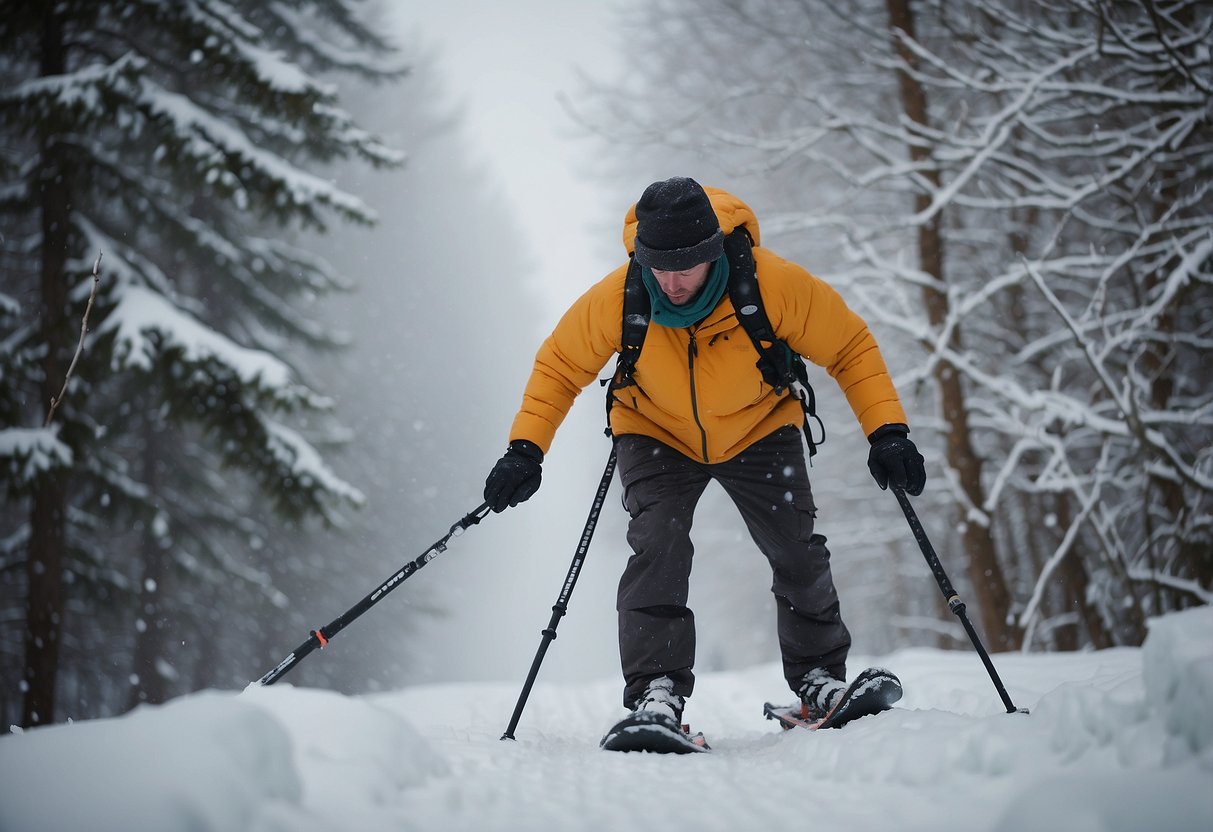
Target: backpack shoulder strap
{"points": [[779, 364], [637, 310], [747, 302]]}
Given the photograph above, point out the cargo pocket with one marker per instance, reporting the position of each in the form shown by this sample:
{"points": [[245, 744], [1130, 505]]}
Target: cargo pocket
{"points": [[631, 499], [806, 517], [640, 461]]}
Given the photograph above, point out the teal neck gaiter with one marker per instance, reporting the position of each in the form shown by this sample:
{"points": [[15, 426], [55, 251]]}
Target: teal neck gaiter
{"points": [[694, 310]]}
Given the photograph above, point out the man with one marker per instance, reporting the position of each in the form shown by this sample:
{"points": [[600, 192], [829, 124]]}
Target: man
{"points": [[700, 410]]}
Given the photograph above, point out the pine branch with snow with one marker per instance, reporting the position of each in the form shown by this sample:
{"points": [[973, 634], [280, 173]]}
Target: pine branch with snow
{"points": [[184, 140]]}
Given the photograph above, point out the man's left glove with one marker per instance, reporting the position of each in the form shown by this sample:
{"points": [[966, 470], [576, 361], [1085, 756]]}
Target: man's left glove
{"points": [[894, 460], [515, 477]]}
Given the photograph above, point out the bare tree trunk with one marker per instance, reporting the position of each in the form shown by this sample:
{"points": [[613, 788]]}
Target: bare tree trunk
{"points": [[44, 605], [147, 680], [1076, 580], [1126, 622], [984, 571]]}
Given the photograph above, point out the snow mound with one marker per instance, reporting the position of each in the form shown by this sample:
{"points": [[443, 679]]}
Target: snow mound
{"points": [[1177, 661], [143, 770], [353, 757], [211, 761], [1145, 747], [1123, 802]]}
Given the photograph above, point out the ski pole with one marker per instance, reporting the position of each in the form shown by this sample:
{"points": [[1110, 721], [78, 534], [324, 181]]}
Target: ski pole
{"points": [[956, 605], [562, 603], [321, 637]]}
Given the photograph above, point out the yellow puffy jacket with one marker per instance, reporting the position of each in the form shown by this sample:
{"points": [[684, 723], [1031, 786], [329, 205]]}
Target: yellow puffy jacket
{"points": [[698, 389]]}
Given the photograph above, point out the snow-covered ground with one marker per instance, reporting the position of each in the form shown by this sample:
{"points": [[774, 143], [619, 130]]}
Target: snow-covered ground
{"points": [[1117, 740]]}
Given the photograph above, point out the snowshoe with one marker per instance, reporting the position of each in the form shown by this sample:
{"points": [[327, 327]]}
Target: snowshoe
{"points": [[649, 731], [874, 690]]}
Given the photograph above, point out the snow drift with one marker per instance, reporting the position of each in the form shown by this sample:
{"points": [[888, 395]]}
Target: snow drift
{"points": [[1117, 740]]}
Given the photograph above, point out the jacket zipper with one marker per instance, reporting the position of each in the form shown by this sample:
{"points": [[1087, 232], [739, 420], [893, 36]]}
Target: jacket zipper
{"points": [[692, 351]]}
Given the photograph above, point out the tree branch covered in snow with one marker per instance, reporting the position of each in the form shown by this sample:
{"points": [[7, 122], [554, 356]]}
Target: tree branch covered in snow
{"points": [[1058, 173]]}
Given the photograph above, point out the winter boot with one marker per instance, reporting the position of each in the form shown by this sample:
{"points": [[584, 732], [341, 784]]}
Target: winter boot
{"points": [[820, 691], [655, 724], [659, 699]]}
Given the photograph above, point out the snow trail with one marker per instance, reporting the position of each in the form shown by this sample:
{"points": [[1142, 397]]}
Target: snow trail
{"points": [[1105, 748]]}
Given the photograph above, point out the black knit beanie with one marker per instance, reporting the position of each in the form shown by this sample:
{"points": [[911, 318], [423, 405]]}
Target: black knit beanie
{"points": [[677, 228]]}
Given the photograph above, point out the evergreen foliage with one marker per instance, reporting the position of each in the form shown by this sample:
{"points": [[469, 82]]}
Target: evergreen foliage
{"points": [[180, 140]]}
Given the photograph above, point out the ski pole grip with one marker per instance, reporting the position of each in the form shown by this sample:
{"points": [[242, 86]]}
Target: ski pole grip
{"points": [[470, 519]]}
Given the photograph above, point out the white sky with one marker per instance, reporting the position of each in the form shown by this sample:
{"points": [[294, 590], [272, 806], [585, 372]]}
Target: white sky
{"points": [[507, 63]]}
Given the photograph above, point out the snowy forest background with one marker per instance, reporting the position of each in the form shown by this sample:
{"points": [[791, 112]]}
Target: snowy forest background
{"points": [[314, 317]]}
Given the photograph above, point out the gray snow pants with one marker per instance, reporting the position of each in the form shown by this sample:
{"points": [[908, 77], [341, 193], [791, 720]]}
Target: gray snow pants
{"points": [[769, 484]]}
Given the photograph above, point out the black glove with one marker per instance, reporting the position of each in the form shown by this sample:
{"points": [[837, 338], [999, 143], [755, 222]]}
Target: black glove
{"points": [[515, 477], [895, 461]]}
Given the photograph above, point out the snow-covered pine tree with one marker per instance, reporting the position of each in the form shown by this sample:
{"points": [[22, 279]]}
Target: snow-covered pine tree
{"points": [[175, 138]]}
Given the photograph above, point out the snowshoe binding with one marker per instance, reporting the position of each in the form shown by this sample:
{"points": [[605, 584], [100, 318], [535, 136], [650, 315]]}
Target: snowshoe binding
{"points": [[874, 690]]}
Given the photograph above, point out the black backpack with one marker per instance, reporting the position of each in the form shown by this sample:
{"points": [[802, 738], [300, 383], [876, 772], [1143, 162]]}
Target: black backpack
{"points": [[780, 365]]}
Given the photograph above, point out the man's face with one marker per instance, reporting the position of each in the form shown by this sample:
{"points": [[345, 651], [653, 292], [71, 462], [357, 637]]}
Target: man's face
{"points": [[681, 286]]}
